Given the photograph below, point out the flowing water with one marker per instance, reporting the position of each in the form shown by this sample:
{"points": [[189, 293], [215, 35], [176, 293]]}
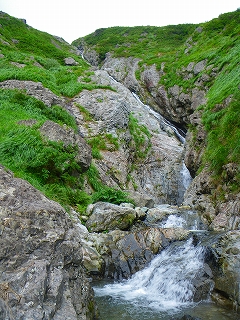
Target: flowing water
{"points": [[163, 290], [164, 123]]}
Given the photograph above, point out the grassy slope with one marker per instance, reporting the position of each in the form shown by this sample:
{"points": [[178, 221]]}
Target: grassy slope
{"points": [[43, 56], [28, 54], [219, 43]]}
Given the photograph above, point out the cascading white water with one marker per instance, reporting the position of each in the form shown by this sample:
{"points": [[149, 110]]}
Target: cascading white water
{"points": [[186, 177], [167, 283], [164, 122], [174, 221]]}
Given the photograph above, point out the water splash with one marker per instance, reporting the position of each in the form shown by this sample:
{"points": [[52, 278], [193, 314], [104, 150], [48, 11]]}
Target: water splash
{"points": [[167, 283], [174, 221]]}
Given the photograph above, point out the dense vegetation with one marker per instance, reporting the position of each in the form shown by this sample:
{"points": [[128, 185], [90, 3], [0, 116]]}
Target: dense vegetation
{"points": [[147, 43], [171, 49], [28, 54]]}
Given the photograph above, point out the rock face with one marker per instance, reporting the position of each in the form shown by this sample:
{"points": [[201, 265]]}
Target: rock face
{"points": [[35, 89], [175, 104], [42, 274], [226, 264], [123, 70], [158, 173]]}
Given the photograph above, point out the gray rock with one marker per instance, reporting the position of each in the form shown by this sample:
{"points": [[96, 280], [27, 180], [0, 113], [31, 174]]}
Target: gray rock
{"points": [[141, 199], [198, 196], [200, 66], [35, 89], [155, 179], [123, 70], [107, 216], [225, 266], [91, 56], [112, 108], [42, 274], [70, 62]]}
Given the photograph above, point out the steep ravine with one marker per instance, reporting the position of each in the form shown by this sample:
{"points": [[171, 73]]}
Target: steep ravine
{"points": [[182, 108], [199, 194], [156, 172], [50, 254]]}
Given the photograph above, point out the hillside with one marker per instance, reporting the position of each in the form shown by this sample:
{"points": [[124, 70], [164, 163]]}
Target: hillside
{"points": [[185, 72], [168, 67], [97, 143], [37, 83]]}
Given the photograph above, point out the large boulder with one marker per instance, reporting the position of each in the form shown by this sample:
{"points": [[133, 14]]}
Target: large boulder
{"points": [[107, 216], [70, 62], [42, 273], [112, 109]]}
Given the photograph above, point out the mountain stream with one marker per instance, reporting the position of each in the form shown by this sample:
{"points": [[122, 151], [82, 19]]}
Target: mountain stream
{"points": [[165, 288]]}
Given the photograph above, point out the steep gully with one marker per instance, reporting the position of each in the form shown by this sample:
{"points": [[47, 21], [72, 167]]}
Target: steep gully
{"points": [[169, 286], [180, 135]]}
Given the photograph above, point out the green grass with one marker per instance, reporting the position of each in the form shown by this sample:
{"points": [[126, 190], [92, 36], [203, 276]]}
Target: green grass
{"points": [[103, 142], [103, 192], [218, 43], [29, 54], [45, 164], [49, 166], [223, 141], [126, 41], [141, 136], [41, 56]]}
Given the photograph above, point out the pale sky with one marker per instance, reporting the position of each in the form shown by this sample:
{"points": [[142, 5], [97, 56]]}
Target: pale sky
{"points": [[71, 19]]}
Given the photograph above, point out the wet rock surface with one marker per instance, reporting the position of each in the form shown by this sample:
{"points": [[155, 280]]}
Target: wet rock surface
{"points": [[226, 264]]}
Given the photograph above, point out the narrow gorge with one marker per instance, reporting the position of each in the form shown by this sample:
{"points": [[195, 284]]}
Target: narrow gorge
{"points": [[120, 173]]}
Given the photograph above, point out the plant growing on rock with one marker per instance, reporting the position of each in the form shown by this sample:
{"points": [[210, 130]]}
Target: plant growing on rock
{"points": [[141, 143]]}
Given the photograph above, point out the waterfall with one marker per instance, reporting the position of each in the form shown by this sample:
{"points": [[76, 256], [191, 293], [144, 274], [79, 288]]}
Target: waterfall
{"points": [[186, 177], [163, 122], [167, 283]]}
